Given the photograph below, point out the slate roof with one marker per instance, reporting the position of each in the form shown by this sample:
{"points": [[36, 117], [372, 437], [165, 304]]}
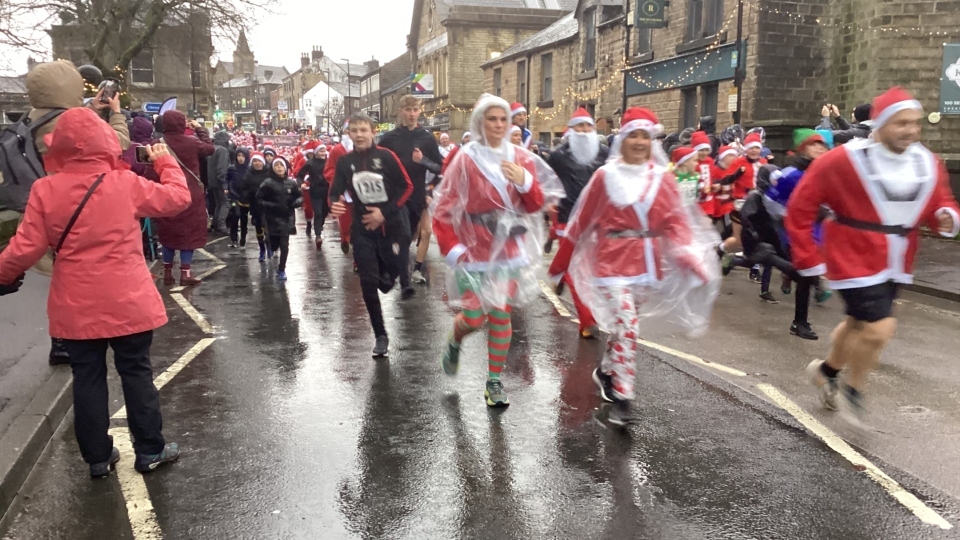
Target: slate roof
{"points": [[356, 70], [260, 70], [561, 30], [13, 85]]}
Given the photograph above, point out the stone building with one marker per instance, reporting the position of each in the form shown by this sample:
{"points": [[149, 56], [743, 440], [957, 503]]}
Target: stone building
{"points": [[243, 89], [13, 99], [382, 77], [315, 68], [450, 39]]}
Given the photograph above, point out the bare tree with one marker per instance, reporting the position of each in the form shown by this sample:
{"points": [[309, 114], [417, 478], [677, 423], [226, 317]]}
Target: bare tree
{"points": [[335, 111]]}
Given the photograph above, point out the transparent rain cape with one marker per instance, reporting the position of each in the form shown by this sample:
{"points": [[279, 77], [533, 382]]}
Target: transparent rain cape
{"points": [[668, 263], [500, 232]]}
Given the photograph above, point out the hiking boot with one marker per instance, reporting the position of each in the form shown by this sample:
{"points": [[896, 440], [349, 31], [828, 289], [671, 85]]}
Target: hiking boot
{"points": [[803, 330], [345, 247], [495, 394], [417, 277], [263, 255], [102, 470], [382, 347], [451, 357], [605, 383], [281, 276], [186, 277], [769, 298], [58, 353], [408, 293], [827, 386], [146, 463], [168, 275], [620, 414]]}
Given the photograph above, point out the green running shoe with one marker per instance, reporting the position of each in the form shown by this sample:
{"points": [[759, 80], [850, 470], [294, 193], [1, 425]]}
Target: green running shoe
{"points": [[495, 394], [451, 358]]}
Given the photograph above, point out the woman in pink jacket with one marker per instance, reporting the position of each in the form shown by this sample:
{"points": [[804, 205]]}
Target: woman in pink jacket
{"points": [[102, 293]]}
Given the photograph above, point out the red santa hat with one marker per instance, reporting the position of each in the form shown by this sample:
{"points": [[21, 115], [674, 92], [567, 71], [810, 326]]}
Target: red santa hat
{"points": [[580, 117], [640, 118], [753, 140], [257, 156], [890, 103], [727, 151], [682, 154], [700, 141], [517, 108]]}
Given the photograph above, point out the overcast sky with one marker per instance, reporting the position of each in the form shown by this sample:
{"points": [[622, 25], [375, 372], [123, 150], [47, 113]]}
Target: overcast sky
{"points": [[354, 29]]}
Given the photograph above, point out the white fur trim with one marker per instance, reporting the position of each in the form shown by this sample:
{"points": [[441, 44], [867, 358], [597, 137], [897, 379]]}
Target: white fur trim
{"points": [[888, 113], [455, 253], [527, 182], [576, 121], [817, 270], [686, 158], [956, 221], [730, 151], [645, 125], [753, 145], [518, 110], [704, 146]]}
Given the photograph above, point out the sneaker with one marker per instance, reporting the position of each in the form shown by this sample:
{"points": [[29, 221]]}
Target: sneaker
{"points": [[281, 276], [386, 283], [345, 247], [309, 228], [823, 295], [232, 245], [755, 275], [102, 470], [243, 242], [451, 358], [850, 405], [726, 263], [269, 253], [408, 293], [382, 347], [769, 298], [827, 386], [263, 255], [803, 330], [319, 244], [605, 382], [146, 463], [495, 394], [548, 247], [786, 289], [620, 414], [417, 277], [590, 332]]}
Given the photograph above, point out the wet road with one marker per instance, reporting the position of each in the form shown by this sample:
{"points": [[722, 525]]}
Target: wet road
{"points": [[290, 430]]}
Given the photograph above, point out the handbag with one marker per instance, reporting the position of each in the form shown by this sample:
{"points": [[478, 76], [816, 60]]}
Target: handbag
{"points": [[182, 166], [76, 214]]}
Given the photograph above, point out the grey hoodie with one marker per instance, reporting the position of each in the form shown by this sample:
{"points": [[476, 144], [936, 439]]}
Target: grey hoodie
{"points": [[219, 162]]}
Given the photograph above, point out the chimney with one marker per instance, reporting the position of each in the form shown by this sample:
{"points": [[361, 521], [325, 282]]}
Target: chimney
{"points": [[316, 54], [304, 60], [372, 64]]}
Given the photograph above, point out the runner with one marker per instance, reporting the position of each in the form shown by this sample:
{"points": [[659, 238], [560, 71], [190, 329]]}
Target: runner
{"points": [[236, 218], [575, 161], [488, 225], [634, 252], [705, 167], [249, 185], [329, 171], [518, 117], [744, 179], [379, 187], [419, 154], [881, 190], [722, 176], [278, 197], [312, 175]]}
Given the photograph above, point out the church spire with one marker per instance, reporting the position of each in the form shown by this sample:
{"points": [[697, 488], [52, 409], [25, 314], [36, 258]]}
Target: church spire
{"points": [[242, 45]]}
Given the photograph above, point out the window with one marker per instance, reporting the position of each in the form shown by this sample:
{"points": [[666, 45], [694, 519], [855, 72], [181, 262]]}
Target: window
{"points": [[546, 73], [709, 95], [522, 82], [497, 81], [590, 46], [644, 41], [196, 75], [689, 110], [704, 18], [141, 70]]}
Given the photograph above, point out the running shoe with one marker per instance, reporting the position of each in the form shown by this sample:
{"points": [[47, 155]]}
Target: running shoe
{"points": [[451, 357], [309, 228], [803, 330], [281, 276], [270, 253], [850, 405], [146, 463], [726, 263], [263, 255], [345, 247], [590, 332], [102, 470], [407, 293], [386, 283], [755, 274], [769, 298], [605, 383], [417, 277], [620, 414], [243, 242], [232, 245], [319, 244], [823, 295], [826, 386], [786, 288], [495, 394], [548, 247], [382, 347]]}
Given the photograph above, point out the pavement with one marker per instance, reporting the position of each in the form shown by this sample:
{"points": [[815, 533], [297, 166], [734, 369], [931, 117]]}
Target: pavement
{"points": [[291, 430], [937, 270]]}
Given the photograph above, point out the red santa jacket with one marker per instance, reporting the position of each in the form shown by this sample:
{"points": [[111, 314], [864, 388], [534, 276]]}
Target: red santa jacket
{"points": [[748, 180], [863, 181], [624, 257], [707, 201], [466, 194]]}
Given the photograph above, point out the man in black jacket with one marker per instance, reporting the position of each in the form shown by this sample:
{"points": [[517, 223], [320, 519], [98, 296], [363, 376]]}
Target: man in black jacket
{"points": [[379, 187], [847, 132], [418, 152]]}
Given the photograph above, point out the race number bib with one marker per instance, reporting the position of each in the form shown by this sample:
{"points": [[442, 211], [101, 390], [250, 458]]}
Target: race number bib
{"points": [[369, 187], [688, 191]]}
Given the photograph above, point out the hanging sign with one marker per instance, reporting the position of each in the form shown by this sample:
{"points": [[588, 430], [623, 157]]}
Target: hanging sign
{"points": [[650, 14]]}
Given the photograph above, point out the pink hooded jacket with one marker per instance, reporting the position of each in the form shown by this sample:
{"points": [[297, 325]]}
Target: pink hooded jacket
{"points": [[101, 287]]}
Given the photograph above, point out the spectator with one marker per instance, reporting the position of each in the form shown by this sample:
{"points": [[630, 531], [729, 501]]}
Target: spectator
{"points": [[101, 250], [217, 166], [141, 133], [186, 231], [847, 132]]}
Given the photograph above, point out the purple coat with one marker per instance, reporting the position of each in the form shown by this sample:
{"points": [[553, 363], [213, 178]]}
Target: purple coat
{"points": [[187, 230]]}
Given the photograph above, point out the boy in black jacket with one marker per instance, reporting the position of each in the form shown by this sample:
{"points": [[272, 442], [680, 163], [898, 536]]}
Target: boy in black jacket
{"points": [[379, 188], [278, 197]]}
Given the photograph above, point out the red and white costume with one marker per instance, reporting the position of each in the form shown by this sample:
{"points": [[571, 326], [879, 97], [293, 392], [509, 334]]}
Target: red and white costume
{"points": [[329, 171]]}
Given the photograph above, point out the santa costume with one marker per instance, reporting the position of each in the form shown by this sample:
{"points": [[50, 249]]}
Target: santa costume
{"points": [[515, 109], [633, 251], [329, 171], [705, 168]]}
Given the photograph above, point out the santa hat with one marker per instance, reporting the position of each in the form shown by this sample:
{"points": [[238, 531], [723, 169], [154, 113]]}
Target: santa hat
{"points": [[753, 140], [682, 154], [514, 129], [580, 117], [257, 156], [517, 108], [465, 135], [283, 160], [727, 151], [700, 141], [640, 118], [268, 148], [890, 103]]}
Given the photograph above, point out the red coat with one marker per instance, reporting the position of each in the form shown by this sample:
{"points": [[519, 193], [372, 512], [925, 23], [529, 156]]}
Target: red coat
{"points": [[464, 191], [101, 286], [631, 260], [851, 180], [707, 202], [748, 180]]}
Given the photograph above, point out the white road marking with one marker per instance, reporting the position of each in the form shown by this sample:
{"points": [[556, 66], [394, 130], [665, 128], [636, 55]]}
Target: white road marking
{"points": [[554, 299], [210, 256], [211, 271], [212, 242], [904, 497], [140, 513], [193, 313]]}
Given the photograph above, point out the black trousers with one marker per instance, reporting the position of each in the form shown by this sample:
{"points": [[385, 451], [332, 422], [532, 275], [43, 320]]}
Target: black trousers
{"points": [[321, 209], [281, 242], [414, 221], [88, 359], [378, 259], [767, 256], [257, 220], [237, 222]]}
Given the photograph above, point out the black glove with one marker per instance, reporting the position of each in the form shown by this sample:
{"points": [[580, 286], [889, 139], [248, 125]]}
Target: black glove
{"points": [[12, 287]]}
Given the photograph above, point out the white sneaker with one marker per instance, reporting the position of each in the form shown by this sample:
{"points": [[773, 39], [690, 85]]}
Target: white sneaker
{"points": [[827, 386], [417, 277]]}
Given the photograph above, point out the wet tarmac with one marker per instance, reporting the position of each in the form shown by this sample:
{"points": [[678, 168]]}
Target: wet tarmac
{"points": [[291, 430]]}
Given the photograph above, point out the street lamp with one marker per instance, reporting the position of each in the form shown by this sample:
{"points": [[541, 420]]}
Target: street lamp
{"points": [[349, 92]]}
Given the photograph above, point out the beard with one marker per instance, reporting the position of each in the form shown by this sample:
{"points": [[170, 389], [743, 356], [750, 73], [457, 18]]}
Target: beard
{"points": [[584, 147]]}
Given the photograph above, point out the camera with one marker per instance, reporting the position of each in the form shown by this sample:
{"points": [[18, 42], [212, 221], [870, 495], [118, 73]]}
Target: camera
{"points": [[142, 155]]}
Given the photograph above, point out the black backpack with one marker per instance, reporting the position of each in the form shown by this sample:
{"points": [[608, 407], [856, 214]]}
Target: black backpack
{"points": [[20, 163]]}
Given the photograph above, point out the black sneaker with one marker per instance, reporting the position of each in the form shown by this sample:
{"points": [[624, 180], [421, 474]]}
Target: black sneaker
{"points": [[605, 383], [243, 242], [58, 353], [769, 298], [102, 470], [803, 330], [345, 247], [382, 347], [407, 293], [755, 275], [386, 283], [146, 463], [620, 414]]}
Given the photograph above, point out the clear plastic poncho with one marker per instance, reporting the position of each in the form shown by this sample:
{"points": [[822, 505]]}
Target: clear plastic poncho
{"points": [[669, 264], [499, 232]]}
